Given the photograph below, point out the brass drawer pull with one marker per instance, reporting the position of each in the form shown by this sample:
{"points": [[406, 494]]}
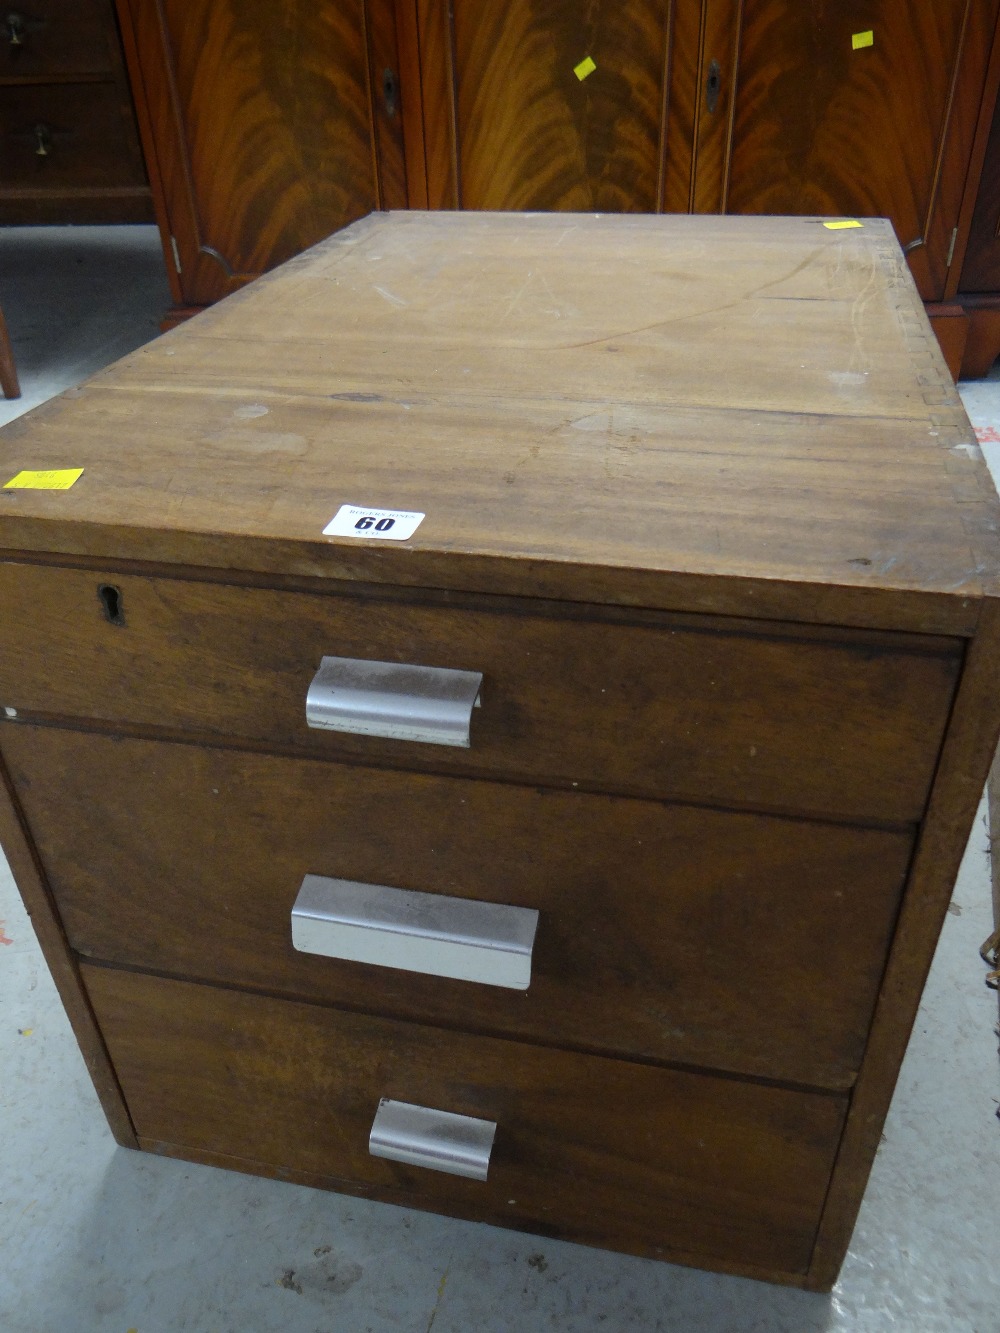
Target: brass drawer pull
{"points": [[417, 932], [459, 1145], [389, 699]]}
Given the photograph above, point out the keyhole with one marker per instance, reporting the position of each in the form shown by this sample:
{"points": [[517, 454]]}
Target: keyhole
{"points": [[111, 601], [389, 92], [713, 86]]}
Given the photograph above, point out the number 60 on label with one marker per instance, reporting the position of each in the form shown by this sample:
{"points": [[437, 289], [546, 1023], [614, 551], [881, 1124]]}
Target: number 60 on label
{"points": [[391, 524]]}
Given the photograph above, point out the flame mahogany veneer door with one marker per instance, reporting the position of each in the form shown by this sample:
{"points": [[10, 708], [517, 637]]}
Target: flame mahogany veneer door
{"points": [[270, 125]]}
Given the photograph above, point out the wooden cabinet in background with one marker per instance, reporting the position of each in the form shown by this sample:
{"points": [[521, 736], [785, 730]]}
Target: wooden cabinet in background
{"points": [[975, 289], [69, 150], [270, 126], [710, 106], [263, 128], [884, 130]]}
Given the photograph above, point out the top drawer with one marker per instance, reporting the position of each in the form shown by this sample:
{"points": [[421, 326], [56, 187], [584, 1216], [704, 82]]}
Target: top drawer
{"points": [[684, 710], [52, 37]]}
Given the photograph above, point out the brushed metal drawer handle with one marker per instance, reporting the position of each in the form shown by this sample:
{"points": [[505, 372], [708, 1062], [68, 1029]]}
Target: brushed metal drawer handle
{"points": [[417, 932], [459, 1145], [403, 703]]}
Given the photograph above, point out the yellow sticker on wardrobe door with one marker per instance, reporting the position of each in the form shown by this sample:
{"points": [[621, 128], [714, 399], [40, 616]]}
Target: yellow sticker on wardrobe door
{"points": [[60, 479], [585, 67], [860, 40]]}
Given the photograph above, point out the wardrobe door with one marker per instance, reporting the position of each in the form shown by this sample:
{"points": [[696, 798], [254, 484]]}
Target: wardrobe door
{"points": [[853, 107], [549, 104], [272, 123]]}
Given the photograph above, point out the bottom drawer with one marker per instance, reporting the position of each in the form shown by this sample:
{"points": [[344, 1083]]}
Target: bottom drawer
{"points": [[656, 1161]]}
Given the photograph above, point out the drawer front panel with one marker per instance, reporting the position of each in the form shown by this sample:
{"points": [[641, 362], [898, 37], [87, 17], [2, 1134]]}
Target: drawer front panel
{"points": [[811, 726], [587, 1148], [732, 941], [62, 136], [52, 37]]}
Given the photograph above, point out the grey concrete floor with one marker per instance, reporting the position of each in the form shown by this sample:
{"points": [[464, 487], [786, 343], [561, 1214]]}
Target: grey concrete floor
{"points": [[97, 1239]]}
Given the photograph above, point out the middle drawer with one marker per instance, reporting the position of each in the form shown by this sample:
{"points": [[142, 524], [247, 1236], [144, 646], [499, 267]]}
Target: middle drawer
{"points": [[729, 941]]}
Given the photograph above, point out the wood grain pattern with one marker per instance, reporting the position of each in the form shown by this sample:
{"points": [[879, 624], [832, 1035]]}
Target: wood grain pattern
{"points": [[849, 729], [531, 134], [822, 128], [23, 861], [683, 99], [717, 1168], [965, 765], [407, 29], [974, 98], [720, 48], [186, 860], [437, 90], [387, 107], [981, 269], [761, 399], [264, 129]]}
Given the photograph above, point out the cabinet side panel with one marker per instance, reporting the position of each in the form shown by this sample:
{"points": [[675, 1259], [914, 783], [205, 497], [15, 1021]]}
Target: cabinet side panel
{"points": [[968, 750], [20, 852]]}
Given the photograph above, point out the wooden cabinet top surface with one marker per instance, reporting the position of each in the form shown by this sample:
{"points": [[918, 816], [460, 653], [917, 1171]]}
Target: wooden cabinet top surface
{"points": [[744, 416]]}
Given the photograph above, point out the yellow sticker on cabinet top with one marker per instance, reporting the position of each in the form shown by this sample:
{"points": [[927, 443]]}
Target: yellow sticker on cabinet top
{"points": [[859, 40], [59, 479], [585, 67], [842, 226]]}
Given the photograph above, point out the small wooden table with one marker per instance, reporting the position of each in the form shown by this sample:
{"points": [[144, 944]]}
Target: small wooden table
{"points": [[561, 839]]}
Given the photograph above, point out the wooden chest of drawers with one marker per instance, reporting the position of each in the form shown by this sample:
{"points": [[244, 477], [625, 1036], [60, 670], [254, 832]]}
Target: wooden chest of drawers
{"points": [[69, 145], [687, 672]]}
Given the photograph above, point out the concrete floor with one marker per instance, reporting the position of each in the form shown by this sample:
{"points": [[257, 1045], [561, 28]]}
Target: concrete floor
{"points": [[96, 1239]]}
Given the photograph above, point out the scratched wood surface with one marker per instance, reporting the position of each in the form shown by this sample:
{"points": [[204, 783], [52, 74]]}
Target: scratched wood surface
{"points": [[677, 410]]}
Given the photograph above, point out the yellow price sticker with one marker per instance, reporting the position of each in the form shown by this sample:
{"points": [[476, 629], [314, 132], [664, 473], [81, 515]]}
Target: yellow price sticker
{"points": [[842, 226], [60, 479], [859, 40], [585, 67]]}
